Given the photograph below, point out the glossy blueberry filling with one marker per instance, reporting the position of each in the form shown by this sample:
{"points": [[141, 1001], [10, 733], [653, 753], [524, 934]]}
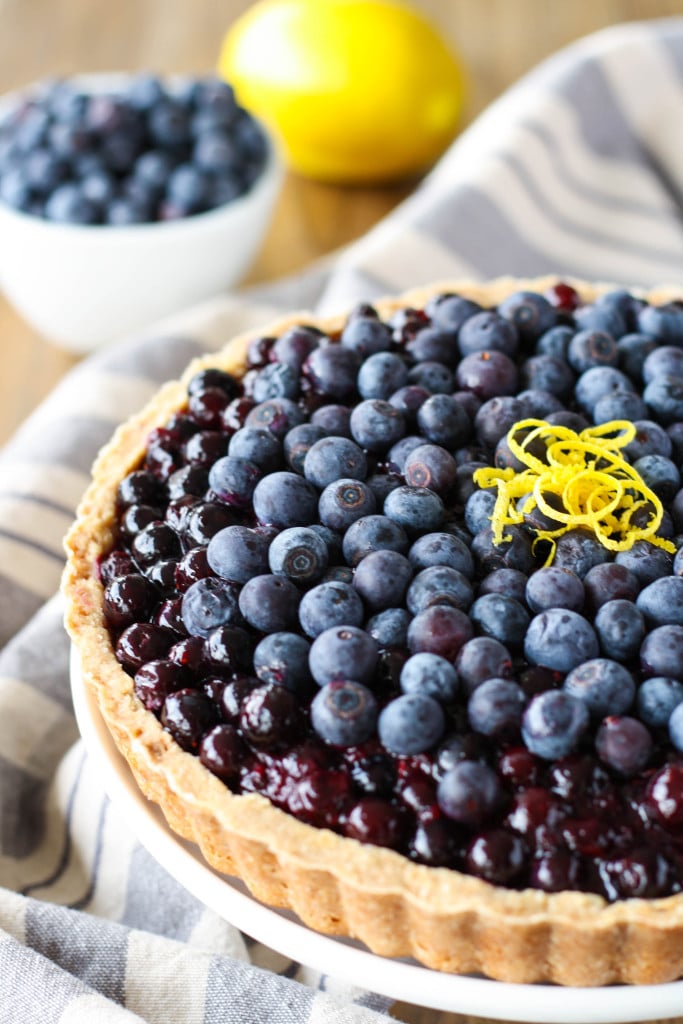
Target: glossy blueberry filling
{"points": [[307, 590]]}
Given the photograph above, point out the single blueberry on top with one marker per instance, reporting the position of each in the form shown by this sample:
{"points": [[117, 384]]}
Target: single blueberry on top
{"points": [[553, 724]]}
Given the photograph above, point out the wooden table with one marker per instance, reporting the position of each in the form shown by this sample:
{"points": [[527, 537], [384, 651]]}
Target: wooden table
{"points": [[498, 39]]}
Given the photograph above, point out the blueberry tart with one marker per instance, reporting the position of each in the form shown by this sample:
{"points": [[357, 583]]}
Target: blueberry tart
{"points": [[385, 612]]}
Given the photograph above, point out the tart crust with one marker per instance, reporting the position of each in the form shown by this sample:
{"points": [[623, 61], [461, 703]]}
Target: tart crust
{"points": [[445, 919]]}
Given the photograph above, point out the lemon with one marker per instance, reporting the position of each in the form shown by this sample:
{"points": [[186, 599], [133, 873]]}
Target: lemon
{"points": [[355, 90]]}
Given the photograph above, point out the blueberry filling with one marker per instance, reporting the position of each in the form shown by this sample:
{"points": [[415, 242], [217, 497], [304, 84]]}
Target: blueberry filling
{"points": [[310, 594]]}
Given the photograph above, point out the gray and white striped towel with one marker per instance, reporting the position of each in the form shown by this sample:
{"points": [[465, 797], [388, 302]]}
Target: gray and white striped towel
{"points": [[579, 170]]}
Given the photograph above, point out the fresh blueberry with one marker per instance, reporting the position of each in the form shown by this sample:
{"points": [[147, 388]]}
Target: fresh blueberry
{"points": [[373, 533], [282, 658], [480, 659], [431, 675], [560, 639], [389, 628], [500, 617], [430, 344], [344, 713], [432, 377], [300, 554], [597, 382], [328, 605], [619, 405], [439, 630], [511, 582], [633, 350], [333, 457], [488, 331], [661, 602], [345, 501], [209, 603], [442, 420], [660, 475], [376, 425], [646, 561], [285, 499], [551, 587], [278, 415], [366, 336], [663, 322], [68, 205], [650, 439], [553, 723], [495, 708], [269, 603], [664, 398], [332, 371], [591, 348], [530, 313], [554, 342], [237, 553], [411, 724], [416, 509], [579, 551], [234, 480], [514, 552], [298, 442], [430, 465], [342, 651], [661, 653], [605, 687], [495, 418], [656, 700], [381, 375], [479, 511], [451, 311], [398, 454], [334, 420], [382, 578], [277, 380], [547, 373], [260, 447], [439, 585]]}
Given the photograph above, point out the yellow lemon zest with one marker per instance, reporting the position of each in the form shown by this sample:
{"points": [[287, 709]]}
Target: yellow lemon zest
{"points": [[574, 480]]}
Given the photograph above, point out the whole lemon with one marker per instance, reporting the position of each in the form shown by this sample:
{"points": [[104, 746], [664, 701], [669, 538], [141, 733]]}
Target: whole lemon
{"points": [[355, 90]]}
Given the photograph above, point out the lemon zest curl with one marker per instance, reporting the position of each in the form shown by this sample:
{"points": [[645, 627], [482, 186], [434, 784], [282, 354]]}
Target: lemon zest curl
{"points": [[576, 480]]}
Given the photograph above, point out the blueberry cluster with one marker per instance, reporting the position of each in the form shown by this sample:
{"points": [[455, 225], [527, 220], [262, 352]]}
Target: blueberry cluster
{"points": [[307, 591], [150, 152]]}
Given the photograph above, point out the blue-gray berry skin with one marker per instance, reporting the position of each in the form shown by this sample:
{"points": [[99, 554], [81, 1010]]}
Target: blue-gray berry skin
{"points": [[676, 727], [439, 584], [560, 640], [411, 724], [551, 587], [269, 603], [276, 380], [285, 499], [416, 509], [662, 602], [345, 501], [207, 604], [620, 628], [333, 457], [259, 446], [298, 442], [390, 627], [660, 474], [282, 658], [382, 578], [657, 697], [330, 604], [469, 793], [500, 617], [234, 480], [376, 425], [278, 415], [604, 686], [237, 553], [342, 652], [442, 549], [300, 554], [431, 675], [661, 653], [381, 375], [646, 561], [373, 533], [344, 713], [553, 724], [443, 420], [480, 659], [495, 708]]}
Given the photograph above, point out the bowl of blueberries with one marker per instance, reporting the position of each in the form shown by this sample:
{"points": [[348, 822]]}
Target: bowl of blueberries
{"points": [[125, 198]]}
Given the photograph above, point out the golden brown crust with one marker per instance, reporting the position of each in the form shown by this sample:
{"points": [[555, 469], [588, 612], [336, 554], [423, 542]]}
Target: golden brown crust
{"points": [[447, 920]]}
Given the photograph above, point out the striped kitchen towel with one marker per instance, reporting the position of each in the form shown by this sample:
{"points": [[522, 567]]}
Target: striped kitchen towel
{"points": [[577, 170]]}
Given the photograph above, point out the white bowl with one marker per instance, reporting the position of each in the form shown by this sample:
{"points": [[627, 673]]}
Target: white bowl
{"points": [[86, 286]]}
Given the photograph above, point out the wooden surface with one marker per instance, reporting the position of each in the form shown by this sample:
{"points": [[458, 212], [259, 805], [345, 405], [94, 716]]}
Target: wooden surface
{"points": [[498, 40]]}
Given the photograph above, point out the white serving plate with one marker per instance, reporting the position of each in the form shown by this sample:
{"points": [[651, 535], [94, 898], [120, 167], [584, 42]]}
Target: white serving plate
{"points": [[343, 958]]}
